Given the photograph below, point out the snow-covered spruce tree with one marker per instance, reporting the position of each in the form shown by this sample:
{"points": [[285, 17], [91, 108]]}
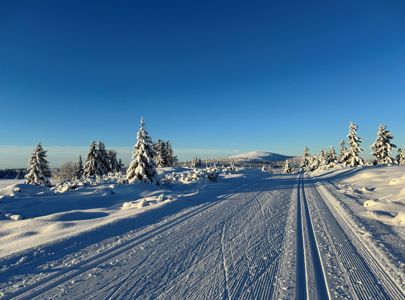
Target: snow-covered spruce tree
{"points": [[38, 171], [113, 161], [351, 157], [142, 167], [160, 154], [342, 151], [170, 157], [120, 165], [401, 157], [331, 157], [382, 146], [287, 168], [103, 160], [196, 163], [314, 163], [91, 164], [79, 168], [306, 159], [322, 160]]}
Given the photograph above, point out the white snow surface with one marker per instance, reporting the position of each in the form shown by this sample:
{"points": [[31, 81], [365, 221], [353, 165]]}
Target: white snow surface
{"points": [[248, 235]]}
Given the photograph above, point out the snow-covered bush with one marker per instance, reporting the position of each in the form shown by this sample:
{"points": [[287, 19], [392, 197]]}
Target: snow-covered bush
{"points": [[66, 172]]}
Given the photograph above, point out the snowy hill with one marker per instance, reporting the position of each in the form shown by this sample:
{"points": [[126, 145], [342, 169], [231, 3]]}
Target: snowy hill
{"points": [[259, 156]]}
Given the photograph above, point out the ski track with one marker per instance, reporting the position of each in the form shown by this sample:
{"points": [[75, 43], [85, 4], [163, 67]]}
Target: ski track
{"points": [[272, 238]]}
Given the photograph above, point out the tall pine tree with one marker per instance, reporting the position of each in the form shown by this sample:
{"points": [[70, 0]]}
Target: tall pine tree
{"points": [[352, 158], [382, 146], [142, 166], [38, 171]]}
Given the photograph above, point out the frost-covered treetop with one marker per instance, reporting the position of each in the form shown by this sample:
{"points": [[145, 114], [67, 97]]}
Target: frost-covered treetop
{"points": [[142, 166], [351, 157], [382, 147], [38, 171]]}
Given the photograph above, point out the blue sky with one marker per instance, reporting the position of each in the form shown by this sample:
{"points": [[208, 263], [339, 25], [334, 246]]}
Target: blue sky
{"points": [[214, 77]]}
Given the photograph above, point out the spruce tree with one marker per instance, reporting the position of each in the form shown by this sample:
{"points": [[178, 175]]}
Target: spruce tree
{"points": [[120, 165], [171, 159], [113, 161], [142, 166], [322, 159], [79, 168], [287, 167], [306, 159], [103, 160], [314, 163], [401, 157], [331, 157], [351, 157], [382, 146], [38, 171], [342, 151], [160, 154], [91, 164]]}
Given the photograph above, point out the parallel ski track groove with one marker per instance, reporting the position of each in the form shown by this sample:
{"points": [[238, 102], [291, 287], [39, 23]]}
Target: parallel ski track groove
{"points": [[321, 288], [51, 281], [387, 282]]}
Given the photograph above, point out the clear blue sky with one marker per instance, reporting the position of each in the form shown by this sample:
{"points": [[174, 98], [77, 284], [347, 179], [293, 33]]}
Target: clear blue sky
{"points": [[214, 77]]}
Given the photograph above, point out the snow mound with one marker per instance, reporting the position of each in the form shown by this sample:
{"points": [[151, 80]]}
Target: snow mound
{"points": [[259, 156], [23, 190], [399, 219]]}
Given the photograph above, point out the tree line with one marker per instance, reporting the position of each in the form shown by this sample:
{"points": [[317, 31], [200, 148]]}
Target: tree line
{"points": [[100, 161], [349, 152]]}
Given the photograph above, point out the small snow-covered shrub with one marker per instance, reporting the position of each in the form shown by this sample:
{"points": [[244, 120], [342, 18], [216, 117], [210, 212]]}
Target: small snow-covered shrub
{"points": [[110, 179], [65, 173]]}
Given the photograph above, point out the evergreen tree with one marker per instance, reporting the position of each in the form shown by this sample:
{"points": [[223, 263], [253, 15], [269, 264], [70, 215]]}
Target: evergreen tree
{"points": [[113, 161], [287, 168], [103, 160], [38, 171], [142, 166], [342, 151], [351, 157], [91, 165], [170, 157], [314, 163], [306, 159], [196, 163], [382, 146], [120, 165], [160, 154], [79, 168], [322, 159], [331, 157], [401, 157]]}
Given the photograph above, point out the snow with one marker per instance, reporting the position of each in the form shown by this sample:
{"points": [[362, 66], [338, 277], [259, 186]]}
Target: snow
{"points": [[336, 234], [381, 192]]}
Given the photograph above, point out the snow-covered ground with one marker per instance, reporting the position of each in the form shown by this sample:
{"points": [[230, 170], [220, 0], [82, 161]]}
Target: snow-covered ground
{"points": [[250, 235]]}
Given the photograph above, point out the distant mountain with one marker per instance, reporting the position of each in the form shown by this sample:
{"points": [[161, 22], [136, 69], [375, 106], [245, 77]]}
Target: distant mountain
{"points": [[259, 156]]}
